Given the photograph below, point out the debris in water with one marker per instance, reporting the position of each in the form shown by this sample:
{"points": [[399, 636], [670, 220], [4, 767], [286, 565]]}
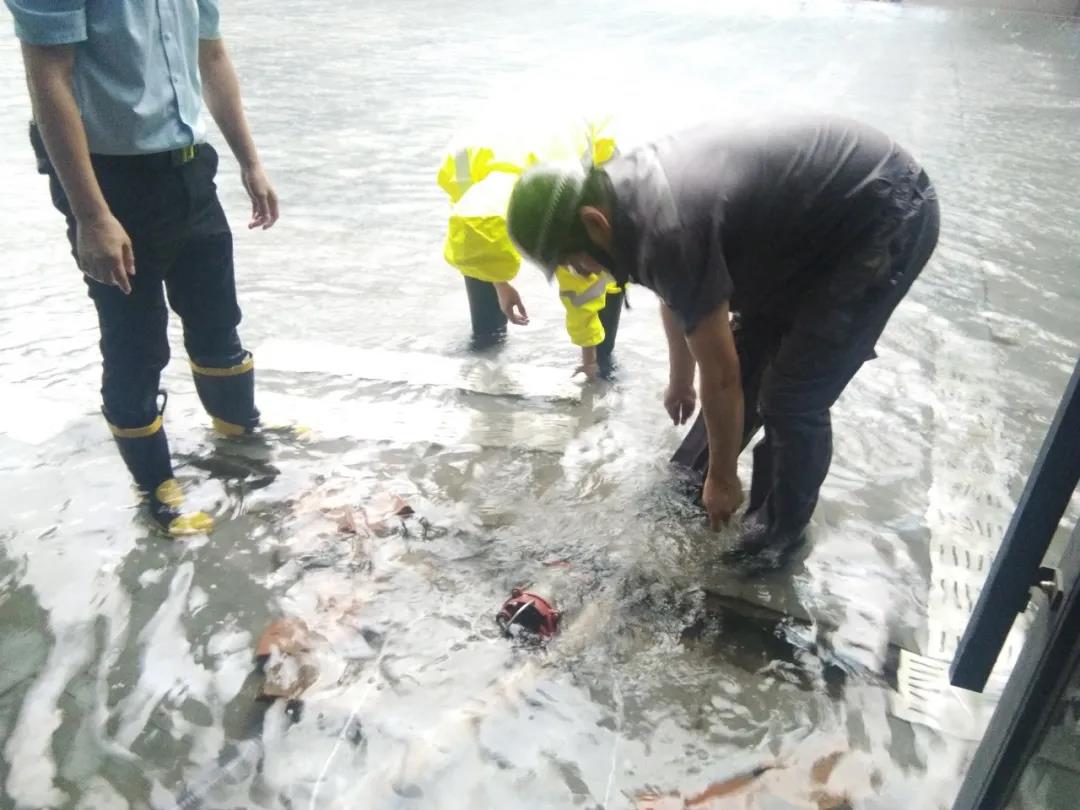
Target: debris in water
{"points": [[822, 769], [764, 785], [530, 613], [374, 517], [382, 508], [703, 800], [283, 655], [347, 522], [289, 636]]}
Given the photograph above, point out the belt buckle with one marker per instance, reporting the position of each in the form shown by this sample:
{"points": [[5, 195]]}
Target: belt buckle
{"points": [[183, 155]]}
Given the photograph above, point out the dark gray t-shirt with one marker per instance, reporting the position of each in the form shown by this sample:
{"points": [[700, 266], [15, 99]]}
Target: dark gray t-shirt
{"points": [[753, 215]]}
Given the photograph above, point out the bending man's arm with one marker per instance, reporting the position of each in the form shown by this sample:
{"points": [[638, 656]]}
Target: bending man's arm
{"points": [[102, 245], [680, 399], [221, 91], [713, 346]]}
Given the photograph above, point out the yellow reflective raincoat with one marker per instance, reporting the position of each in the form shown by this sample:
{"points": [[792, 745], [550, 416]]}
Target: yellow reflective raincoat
{"points": [[478, 175]]}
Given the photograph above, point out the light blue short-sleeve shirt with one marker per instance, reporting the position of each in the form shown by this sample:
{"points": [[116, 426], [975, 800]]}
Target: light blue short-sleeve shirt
{"points": [[136, 76]]}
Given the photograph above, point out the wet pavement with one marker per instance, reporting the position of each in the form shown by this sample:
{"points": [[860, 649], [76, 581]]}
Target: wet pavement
{"points": [[127, 662]]}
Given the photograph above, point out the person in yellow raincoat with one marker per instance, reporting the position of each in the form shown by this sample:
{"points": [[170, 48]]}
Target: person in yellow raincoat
{"points": [[478, 173]]}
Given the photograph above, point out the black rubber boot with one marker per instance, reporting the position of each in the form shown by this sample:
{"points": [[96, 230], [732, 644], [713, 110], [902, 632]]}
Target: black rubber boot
{"points": [[764, 545], [228, 395], [145, 451], [761, 477], [794, 458]]}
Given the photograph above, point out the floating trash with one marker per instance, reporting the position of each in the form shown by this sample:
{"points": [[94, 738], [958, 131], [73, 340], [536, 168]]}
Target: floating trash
{"points": [[283, 654], [526, 612]]}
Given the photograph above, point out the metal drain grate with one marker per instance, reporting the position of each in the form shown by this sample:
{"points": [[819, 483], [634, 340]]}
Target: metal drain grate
{"points": [[967, 513], [925, 696]]}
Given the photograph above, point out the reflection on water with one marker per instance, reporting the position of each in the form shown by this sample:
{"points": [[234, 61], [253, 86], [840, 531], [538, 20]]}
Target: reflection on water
{"points": [[126, 663]]}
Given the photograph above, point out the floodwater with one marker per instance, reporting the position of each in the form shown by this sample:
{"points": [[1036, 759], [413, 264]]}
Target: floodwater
{"points": [[126, 661]]}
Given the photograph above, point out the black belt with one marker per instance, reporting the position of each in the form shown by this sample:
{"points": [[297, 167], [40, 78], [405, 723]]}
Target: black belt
{"points": [[153, 160]]}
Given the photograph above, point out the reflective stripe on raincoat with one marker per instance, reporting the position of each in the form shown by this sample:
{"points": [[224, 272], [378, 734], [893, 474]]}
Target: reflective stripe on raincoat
{"points": [[584, 297]]}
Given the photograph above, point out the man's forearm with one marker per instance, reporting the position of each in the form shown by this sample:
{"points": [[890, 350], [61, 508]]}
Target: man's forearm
{"points": [[722, 405], [221, 91], [680, 360], [713, 346], [49, 77]]}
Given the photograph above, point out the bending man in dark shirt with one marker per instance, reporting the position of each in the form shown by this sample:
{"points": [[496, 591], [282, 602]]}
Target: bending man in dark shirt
{"points": [[779, 251]]}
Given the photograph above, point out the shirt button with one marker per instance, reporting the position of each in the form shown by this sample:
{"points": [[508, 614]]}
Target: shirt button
{"points": [[167, 36]]}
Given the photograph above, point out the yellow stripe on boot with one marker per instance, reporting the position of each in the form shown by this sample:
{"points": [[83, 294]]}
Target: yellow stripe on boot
{"points": [[135, 433], [170, 493], [190, 523], [164, 505], [228, 395], [233, 371], [228, 428], [281, 431]]}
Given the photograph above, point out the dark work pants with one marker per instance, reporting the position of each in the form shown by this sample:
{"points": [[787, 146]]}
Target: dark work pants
{"points": [[794, 369], [487, 318], [610, 316], [183, 250]]}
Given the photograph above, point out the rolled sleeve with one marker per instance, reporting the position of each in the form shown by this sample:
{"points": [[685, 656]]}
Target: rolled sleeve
{"points": [[60, 22], [209, 19]]}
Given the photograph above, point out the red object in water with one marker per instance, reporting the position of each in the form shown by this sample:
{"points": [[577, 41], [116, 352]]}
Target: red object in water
{"points": [[529, 611]]}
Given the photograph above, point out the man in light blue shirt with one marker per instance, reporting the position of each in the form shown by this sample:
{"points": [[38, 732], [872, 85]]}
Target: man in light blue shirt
{"points": [[119, 42], [118, 91]]}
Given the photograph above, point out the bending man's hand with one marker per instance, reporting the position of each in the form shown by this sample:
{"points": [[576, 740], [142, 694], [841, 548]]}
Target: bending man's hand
{"points": [[722, 498], [713, 346], [680, 401], [511, 305]]}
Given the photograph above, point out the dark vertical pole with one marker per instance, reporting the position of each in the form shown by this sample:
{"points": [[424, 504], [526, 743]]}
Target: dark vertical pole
{"points": [[1033, 695], [1005, 593]]}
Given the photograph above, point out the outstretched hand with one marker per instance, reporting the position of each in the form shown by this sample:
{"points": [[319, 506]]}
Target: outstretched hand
{"points": [[511, 304]]}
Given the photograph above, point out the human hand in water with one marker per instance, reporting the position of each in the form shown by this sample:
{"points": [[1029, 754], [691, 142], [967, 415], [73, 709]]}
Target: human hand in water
{"points": [[511, 305], [722, 496], [590, 370], [680, 401]]}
